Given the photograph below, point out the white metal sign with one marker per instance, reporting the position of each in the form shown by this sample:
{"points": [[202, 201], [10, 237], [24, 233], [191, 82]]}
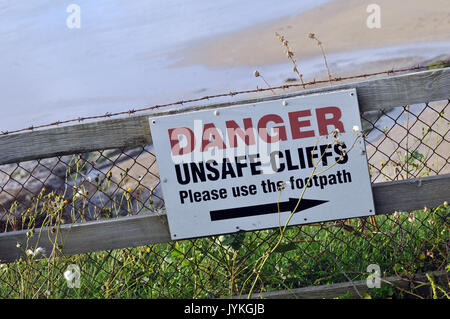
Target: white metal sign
{"points": [[246, 167]]}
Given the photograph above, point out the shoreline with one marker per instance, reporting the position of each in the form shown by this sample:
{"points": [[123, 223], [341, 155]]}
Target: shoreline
{"points": [[342, 29]]}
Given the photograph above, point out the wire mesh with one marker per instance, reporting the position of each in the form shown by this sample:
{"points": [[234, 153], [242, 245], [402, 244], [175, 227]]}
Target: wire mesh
{"points": [[402, 143]]}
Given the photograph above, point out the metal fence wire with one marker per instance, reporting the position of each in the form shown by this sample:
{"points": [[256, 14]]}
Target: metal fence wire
{"points": [[401, 143]]}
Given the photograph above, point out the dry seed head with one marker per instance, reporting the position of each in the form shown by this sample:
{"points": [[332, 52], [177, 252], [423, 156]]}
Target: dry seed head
{"points": [[256, 73], [282, 187], [335, 133], [279, 36]]}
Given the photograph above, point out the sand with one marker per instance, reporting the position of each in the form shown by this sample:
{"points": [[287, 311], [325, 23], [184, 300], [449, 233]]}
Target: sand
{"points": [[340, 25]]}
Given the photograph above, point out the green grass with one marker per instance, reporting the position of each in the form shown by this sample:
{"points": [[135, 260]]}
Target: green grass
{"points": [[438, 65], [221, 266]]}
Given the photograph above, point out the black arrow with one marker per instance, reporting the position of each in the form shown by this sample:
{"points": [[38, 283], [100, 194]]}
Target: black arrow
{"points": [[264, 209]]}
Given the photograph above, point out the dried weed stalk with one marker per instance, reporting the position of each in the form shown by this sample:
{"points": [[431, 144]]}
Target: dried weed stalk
{"points": [[319, 43], [290, 55], [258, 75]]}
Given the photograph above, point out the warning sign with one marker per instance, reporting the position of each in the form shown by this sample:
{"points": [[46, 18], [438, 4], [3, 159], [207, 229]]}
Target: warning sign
{"points": [[246, 167]]}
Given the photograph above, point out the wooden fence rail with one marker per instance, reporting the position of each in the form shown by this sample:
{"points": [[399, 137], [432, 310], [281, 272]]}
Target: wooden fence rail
{"points": [[420, 87], [145, 229]]}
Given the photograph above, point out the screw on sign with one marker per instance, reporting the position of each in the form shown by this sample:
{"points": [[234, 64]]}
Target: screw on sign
{"points": [[248, 165]]}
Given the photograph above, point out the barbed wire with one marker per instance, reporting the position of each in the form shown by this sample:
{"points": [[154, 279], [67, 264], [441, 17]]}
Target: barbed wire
{"points": [[215, 96]]}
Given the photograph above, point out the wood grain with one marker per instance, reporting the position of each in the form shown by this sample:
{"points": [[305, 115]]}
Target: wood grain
{"points": [[411, 194], [347, 288], [81, 238]]}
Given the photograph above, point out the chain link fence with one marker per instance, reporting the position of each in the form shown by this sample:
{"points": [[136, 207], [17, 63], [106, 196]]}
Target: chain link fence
{"points": [[402, 143]]}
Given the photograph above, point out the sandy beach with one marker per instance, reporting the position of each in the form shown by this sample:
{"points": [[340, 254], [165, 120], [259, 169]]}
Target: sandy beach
{"points": [[340, 25]]}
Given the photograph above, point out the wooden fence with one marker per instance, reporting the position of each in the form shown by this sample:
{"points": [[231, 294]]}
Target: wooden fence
{"points": [[145, 228]]}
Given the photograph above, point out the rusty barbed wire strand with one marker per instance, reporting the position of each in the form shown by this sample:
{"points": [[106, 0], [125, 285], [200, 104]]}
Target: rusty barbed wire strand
{"points": [[215, 96]]}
